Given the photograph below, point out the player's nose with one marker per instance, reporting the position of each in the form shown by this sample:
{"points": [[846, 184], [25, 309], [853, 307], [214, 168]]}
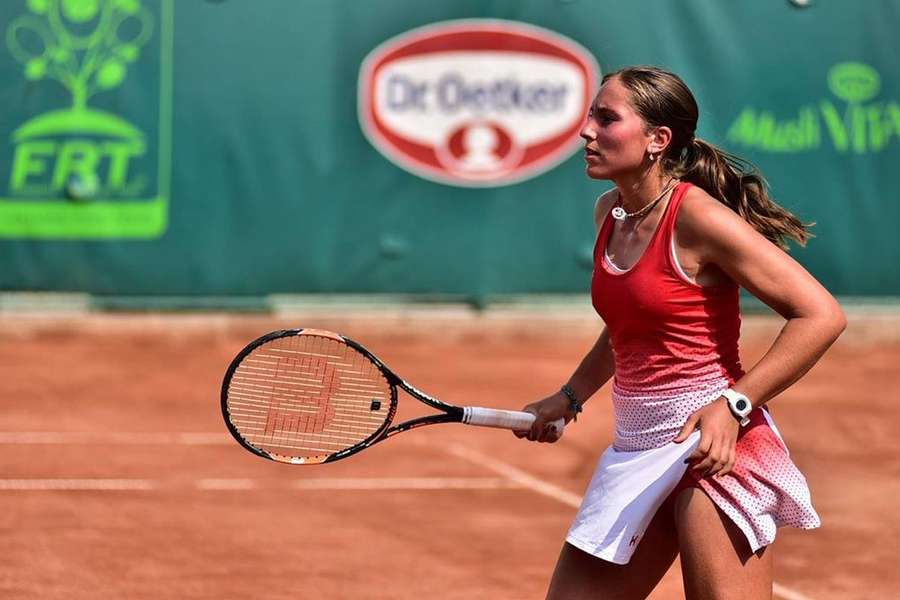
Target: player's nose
{"points": [[587, 132]]}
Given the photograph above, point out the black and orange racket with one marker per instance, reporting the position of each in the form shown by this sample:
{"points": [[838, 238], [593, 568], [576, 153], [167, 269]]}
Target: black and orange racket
{"points": [[308, 396]]}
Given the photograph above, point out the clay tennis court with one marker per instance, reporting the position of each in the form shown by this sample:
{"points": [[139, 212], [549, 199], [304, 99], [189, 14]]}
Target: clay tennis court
{"points": [[119, 481]]}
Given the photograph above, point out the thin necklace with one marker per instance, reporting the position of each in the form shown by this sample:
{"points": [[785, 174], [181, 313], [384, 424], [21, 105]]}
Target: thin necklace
{"points": [[619, 213]]}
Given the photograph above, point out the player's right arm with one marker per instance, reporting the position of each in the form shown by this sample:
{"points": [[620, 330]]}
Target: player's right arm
{"points": [[596, 368]]}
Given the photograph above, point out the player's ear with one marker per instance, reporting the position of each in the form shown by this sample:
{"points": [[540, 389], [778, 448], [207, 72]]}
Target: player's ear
{"points": [[660, 138]]}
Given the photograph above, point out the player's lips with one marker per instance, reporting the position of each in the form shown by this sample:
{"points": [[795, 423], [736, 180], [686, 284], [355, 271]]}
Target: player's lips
{"points": [[591, 154]]}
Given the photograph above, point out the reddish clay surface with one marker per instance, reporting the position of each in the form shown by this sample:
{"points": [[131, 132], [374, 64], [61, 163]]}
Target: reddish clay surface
{"points": [[144, 375]]}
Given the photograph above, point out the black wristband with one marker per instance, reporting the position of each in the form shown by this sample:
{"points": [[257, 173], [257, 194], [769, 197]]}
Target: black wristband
{"points": [[573, 401]]}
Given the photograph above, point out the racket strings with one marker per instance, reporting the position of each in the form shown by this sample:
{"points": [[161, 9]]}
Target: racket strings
{"points": [[307, 396]]}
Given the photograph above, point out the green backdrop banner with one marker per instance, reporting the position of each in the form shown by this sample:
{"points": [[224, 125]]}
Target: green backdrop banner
{"points": [[238, 147]]}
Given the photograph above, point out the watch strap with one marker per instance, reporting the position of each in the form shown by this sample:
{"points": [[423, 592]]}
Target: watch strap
{"points": [[739, 405]]}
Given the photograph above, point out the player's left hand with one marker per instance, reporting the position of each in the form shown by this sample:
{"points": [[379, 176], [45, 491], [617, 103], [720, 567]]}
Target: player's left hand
{"points": [[715, 453]]}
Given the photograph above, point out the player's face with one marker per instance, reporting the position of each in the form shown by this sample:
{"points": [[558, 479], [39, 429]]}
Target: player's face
{"points": [[615, 136]]}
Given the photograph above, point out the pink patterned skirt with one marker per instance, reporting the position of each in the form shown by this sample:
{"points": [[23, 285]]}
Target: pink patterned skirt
{"points": [[643, 467]]}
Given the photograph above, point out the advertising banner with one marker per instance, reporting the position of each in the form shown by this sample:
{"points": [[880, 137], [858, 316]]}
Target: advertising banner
{"points": [[163, 148]]}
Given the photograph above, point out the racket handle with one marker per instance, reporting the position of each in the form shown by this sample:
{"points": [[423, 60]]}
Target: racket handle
{"points": [[504, 419]]}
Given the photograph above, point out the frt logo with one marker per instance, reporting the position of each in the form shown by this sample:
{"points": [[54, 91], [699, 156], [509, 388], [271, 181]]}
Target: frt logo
{"points": [[87, 127], [476, 102]]}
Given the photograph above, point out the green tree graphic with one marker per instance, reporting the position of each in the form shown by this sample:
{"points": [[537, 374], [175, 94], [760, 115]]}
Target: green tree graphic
{"points": [[86, 45]]}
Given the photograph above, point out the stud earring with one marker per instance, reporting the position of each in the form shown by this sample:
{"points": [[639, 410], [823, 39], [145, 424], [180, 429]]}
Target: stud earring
{"points": [[652, 158]]}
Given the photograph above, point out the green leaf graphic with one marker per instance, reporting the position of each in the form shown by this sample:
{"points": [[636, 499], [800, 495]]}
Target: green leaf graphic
{"points": [[80, 11], [53, 42], [111, 74], [128, 7], [61, 54], [128, 52], [36, 69], [38, 6]]}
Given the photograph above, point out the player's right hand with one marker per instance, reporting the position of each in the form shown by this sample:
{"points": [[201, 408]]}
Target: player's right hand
{"points": [[546, 411]]}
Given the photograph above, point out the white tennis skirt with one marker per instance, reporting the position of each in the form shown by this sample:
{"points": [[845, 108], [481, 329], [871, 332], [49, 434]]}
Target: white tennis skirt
{"points": [[764, 490]]}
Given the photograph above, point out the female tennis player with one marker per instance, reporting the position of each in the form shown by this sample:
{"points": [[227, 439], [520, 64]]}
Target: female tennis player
{"points": [[697, 466]]}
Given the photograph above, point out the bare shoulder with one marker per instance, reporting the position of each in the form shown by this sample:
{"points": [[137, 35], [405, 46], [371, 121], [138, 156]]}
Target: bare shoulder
{"points": [[718, 235], [704, 222], [603, 205]]}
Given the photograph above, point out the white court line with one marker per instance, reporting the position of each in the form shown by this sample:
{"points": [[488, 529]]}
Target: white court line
{"points": [[237, 484], [43, 485], [517, 475], [225, 484], [115, 438], [557, 493], [369, 483], [787, 593], [407, 483]]}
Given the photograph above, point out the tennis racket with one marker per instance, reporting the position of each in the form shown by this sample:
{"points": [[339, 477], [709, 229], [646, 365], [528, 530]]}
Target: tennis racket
{"points": [[308, 396]]}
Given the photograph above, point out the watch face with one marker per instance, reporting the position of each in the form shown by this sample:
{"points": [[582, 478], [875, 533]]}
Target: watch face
{"points": [[741, 405]]}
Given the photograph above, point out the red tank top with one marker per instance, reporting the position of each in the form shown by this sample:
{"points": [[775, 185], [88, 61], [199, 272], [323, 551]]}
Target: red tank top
{"points": [[667, 332]]}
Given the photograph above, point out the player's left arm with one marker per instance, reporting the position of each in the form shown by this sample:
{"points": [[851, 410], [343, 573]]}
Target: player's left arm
{"points": [[719, 236]]}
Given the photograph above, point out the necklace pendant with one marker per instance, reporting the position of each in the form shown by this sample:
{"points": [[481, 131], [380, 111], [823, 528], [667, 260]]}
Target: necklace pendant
{"points": [[619, 213]]}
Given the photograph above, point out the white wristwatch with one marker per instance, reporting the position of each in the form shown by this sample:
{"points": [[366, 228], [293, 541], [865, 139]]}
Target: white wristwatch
{"points": [[739, 404]]}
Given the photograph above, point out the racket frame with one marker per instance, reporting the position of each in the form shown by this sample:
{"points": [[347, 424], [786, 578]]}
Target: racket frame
{"points": [[449, 412]]}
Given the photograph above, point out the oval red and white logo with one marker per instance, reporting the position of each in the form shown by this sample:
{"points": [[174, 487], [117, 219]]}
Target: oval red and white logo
{"points": [[476, 102]]}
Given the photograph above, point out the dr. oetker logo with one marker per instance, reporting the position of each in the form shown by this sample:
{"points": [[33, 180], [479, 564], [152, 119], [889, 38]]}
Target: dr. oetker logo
{"points": [[476, 102]]}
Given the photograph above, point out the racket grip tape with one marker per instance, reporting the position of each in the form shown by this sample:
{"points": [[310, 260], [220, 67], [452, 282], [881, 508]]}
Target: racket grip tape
{"points": [[504, 419]]}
